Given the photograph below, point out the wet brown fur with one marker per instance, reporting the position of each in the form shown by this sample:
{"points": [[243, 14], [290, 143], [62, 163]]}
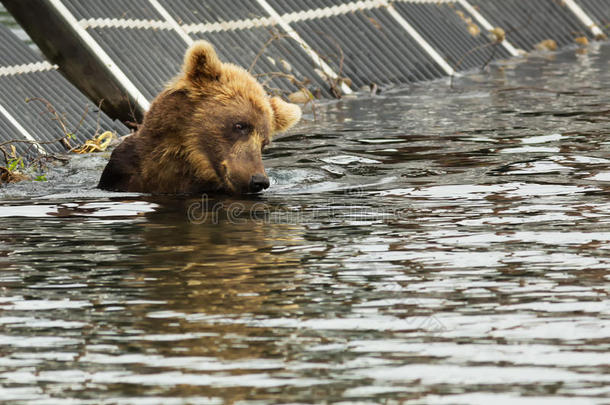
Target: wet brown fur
{"points": [[188, 142]]}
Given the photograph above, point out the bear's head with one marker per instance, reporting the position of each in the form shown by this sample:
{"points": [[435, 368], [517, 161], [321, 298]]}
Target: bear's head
{"points": [[227, 120]]}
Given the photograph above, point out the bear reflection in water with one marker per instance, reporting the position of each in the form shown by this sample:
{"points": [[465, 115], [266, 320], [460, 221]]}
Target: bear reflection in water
{"points": [[204, 132]]}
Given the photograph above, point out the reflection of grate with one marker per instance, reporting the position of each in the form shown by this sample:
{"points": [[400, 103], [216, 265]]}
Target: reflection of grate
{"points": [[121, 51], [25, 75]]}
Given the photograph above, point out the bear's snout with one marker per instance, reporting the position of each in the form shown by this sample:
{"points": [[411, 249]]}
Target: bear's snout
{"points": [[258, 182], [238, 178]]}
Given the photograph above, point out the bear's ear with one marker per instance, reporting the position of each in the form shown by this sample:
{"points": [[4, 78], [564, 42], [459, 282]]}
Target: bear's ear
{"points": [[285, 115], [201, 62]]}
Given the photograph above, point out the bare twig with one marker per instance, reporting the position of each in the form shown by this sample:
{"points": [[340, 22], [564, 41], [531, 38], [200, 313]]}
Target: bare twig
{"points": [[5, 153], [334, 83], [99, 116], [275, 36], [291, 77], [82, 119], [132, 124], [28, 142], [61, 120], [495, 44]]}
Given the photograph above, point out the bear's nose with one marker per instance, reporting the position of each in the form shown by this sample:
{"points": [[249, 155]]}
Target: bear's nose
{"points": [[258, 182]]}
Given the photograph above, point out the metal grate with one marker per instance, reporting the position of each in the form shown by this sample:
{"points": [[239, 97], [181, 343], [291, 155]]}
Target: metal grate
{"points": [[527, 23], [211, 11], [249, 36], [25, 75], [13, 50], [450, 29], [8, 132], [148, 57], [131, 9], [367, 46], [125, 52]]}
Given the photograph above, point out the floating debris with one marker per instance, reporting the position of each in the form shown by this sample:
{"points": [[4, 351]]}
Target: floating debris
{"points": [[302, 96], [12, 172], [546, 45], [97, 144], [285, 65], [497, 34], [581, 40], [10, 176], [374, 89], [473, 29]]}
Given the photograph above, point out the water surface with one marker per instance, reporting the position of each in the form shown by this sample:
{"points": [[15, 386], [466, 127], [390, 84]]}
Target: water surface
{"points": [[433, 244]]}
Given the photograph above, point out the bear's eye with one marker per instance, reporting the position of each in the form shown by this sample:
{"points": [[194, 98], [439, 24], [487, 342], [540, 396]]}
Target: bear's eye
{"points": [[242, 127]]}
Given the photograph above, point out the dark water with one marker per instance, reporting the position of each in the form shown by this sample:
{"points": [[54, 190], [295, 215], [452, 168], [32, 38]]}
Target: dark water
{"points": [[431, 245]]}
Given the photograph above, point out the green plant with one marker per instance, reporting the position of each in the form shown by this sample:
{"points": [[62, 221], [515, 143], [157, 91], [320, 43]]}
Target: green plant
{"points": [[15, 163]]}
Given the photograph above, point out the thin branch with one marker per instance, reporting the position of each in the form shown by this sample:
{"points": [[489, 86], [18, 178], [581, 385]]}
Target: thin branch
{"points": [[275, 36], [99, 116], [58, 118], [82, 119]]}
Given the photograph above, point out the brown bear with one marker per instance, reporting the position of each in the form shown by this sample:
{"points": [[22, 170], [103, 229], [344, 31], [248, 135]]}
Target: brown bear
{"points": [[204, 132]]}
